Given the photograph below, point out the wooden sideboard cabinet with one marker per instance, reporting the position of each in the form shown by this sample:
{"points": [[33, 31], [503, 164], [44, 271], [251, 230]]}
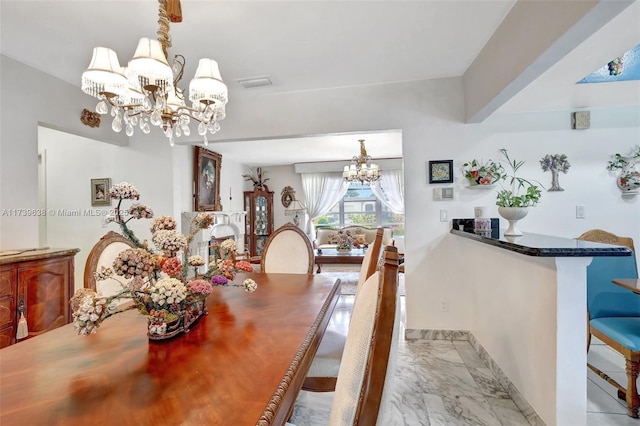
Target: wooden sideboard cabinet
{"points": [[42, 282]]}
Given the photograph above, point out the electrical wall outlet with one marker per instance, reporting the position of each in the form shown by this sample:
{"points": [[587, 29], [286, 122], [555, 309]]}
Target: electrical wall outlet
{"points": [[444, 305], [444, 216], [580, 212]]}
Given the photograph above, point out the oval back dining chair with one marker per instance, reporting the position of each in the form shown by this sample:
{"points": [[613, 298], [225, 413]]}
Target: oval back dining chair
{"points": [[287, 251], [364, 386], [613, 312], [103, 253], [323, 372]]}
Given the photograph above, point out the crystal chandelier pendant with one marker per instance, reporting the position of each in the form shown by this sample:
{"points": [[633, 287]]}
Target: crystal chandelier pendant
{"points": [[156, 118], [102, 107]]}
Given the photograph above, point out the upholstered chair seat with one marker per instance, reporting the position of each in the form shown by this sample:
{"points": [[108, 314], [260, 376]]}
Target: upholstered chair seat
{"points": [[364, 384], [287, 251], [613, 312], [324, 369], [103, 253]]}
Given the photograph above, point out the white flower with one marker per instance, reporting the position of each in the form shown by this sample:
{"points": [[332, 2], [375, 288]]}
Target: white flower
{"points": [[195, 260], [169, 241], [91, 311], [249, 285], [229, 245], [103, 273], [168, 291], [124, 191]]}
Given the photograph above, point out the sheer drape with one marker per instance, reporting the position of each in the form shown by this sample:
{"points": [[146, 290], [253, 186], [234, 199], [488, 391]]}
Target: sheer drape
{"points": [[321, 191], [390, 190]]}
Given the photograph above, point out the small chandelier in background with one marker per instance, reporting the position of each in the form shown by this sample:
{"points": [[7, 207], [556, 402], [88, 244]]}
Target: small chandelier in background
{"points": [[361, 168], [146, 92]]}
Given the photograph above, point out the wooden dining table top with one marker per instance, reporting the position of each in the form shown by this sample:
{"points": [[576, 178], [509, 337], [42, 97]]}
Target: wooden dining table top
{"points": [[632, 284], [241, 364]]}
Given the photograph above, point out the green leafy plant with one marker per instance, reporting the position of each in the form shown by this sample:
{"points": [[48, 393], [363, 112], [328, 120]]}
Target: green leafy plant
{"points": [[482, 173], [521, 192], [620, 161]]}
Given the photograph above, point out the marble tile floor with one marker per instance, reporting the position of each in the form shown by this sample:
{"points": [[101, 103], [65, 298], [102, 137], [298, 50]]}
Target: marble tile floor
{"points": [[446, 383]]}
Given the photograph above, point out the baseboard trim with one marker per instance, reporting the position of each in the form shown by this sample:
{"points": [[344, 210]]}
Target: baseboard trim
{"points": [[463, 335], [451, 335]]}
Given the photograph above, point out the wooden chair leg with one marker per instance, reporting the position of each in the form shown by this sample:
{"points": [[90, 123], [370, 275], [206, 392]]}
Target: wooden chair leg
{"points": [[633, 401]]}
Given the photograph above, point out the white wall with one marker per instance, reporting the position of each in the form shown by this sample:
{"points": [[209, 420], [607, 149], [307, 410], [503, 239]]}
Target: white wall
{"points": [[279, 177]]}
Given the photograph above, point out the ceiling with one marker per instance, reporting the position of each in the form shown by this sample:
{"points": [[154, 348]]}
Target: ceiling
{"points": [[301, 45]]}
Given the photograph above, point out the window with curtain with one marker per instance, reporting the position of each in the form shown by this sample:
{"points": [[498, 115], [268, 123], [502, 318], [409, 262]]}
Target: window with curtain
{"points": [[360, 206]]}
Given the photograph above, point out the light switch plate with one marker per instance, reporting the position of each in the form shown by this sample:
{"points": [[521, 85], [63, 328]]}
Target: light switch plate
{"points": [[443, 194]]}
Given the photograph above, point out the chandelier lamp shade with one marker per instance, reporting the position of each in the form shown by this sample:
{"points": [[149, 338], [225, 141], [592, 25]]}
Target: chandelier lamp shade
{"points": [[361, 169], [145, 93]]}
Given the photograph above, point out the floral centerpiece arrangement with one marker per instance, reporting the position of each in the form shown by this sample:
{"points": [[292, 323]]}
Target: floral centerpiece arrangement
{"points": [[160, 283], [629, 176], [343, 239], [482, 173]]}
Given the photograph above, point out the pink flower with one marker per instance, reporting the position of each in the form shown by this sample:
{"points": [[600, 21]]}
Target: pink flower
{"points": [[199, 287]]}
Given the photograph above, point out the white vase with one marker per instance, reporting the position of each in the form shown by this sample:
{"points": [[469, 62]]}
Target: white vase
{"points": [[513, 215]]}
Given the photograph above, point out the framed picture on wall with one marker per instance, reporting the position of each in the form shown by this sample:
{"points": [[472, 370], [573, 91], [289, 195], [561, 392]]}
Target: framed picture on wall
{"points": [[440, 171], [100, 192], [206, 179]]}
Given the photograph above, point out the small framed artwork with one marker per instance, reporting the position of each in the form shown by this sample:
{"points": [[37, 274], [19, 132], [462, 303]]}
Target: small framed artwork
{"points": [[440, 171], [206, 179], [100, 192], [288, 195]]}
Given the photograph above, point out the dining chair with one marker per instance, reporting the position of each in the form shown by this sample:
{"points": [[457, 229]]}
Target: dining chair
{"points": [[613, 313], [287, 251], [323, 372], [103, 253], [364, 385]]}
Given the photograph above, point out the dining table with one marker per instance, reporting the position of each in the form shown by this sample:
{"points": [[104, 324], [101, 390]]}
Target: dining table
{"points": [[632, 284], [241, 364]]}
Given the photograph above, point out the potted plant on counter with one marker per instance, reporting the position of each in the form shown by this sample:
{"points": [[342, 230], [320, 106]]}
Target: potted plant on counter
{"points": [[514, 200]]}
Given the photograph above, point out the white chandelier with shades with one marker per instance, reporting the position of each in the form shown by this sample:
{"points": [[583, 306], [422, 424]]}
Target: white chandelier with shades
{"points": [[361, 169], [145, 93]]}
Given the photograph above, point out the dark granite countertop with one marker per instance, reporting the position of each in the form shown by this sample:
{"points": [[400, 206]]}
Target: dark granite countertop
{"points": [[541, 245]]}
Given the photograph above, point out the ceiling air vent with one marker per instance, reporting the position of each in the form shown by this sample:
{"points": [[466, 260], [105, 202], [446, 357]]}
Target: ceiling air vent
{"points": [[250, 82]]}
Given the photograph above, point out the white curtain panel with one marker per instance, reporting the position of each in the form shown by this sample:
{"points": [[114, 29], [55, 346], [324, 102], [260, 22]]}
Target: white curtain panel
{"points": [[321, 191], [390, 190]]}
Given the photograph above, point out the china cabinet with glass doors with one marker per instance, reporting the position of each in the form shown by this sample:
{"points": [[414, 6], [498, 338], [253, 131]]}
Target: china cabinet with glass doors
{"points": [[259, 225]]}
